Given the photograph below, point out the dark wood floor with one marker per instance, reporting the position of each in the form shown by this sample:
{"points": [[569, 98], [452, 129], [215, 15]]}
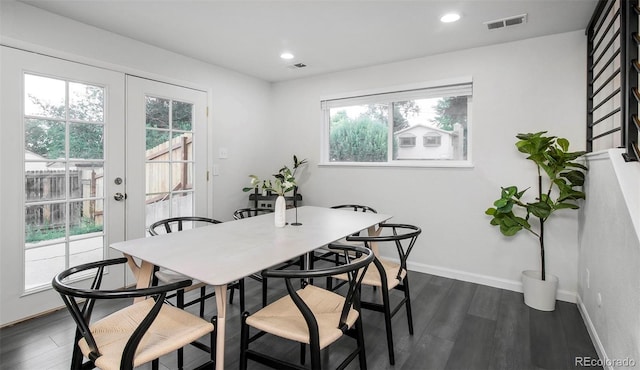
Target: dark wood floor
{"points": [[457, 325]]}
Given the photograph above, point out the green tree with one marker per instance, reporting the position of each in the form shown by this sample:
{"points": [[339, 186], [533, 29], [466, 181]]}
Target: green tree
{"points": [[401, 110], [363, 139], [451, 110]]}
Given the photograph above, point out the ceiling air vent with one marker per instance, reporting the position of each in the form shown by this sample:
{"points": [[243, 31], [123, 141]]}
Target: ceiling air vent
{"points": [[296, 66], [506, 22]]}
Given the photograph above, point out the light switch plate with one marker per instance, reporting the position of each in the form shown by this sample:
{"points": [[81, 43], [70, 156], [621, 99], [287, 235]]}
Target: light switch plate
{"points": [[223, 153]]}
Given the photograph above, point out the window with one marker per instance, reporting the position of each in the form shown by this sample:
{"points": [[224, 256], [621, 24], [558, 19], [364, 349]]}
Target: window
{"points": [[432, 140], [407, 141], [380, 127]]}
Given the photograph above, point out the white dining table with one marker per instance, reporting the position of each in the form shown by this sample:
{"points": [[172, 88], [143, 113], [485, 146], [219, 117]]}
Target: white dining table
{"points": [[223, 253]]}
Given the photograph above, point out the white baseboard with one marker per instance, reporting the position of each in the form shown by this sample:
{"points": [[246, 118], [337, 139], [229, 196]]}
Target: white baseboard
{"points": [[513, 285], [591, 329]]}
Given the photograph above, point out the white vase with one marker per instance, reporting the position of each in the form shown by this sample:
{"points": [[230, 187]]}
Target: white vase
{"points": [[539, 294], [280, 209]]}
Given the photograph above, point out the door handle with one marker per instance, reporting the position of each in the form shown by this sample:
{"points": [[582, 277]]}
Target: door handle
{"points": [[120, 197]]}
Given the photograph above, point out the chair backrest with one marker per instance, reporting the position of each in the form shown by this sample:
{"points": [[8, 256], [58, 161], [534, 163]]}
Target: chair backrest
{"points": [[402, 235], [356, 208], [250, 212], [169, 225], [353, 268], [73, 296]]}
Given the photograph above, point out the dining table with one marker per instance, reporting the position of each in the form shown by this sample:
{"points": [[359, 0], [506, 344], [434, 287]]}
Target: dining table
{"points": [[223, 253]]}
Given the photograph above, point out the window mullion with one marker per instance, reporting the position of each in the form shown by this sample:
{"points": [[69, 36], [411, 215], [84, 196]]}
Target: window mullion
{"points": [[390, 132]]}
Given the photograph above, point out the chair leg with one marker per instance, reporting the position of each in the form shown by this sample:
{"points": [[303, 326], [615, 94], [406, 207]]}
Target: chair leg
{"points": [[154, 364], [362, 357], [407, 303], [180, 304], [244, 341], [316, 363], [203, 292], [214, 338], [387, 323], [231, 295], [77, 356], [241, 292], [264, 291]]}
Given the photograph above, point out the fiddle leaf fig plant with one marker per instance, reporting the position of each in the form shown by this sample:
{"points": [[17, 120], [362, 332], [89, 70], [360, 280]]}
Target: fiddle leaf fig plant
{"points": [[562, 188]]}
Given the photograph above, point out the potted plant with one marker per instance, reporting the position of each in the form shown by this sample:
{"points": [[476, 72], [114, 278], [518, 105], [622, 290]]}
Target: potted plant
{"points": [[561, 189], [284, 182]]}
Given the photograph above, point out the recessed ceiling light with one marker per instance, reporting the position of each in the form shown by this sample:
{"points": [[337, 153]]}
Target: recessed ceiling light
{"points": [[286, 55], [450, 17]]}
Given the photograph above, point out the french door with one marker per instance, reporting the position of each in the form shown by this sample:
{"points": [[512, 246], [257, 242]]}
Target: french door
{"points": [[88, 157], [61, 153], [167, 153]]}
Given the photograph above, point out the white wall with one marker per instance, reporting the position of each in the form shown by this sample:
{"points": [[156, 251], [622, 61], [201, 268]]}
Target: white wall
{"points": [[609, 256], [527, 86], [516, 89], [239, 106]]}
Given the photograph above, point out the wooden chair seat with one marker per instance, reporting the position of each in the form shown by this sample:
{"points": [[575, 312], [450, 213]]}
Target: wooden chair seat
{"points": [[168, 277], [311, 316], [283, 318], [172, 329], [142, 332]]}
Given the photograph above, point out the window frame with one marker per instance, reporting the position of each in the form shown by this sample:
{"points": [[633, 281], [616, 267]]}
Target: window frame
{"points": [[363, 95]]}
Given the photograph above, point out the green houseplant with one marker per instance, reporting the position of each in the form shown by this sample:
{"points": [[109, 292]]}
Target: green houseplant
{"points": [[284, 182], [560, 189]]}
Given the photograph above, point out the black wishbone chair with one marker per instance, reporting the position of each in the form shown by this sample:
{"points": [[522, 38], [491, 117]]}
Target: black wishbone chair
{"points": [[176, 224], [132, 336], [311, 315], [325, 254], [387, 274], [252, 212]]}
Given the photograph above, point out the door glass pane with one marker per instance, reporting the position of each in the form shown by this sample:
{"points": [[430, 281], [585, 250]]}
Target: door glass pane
{"points": [[44, 222], [158, 177], [86, 141], [42, 264], [65, 197], [86, 217], [44, 181], [86, 179], [157, 144], [182, 204], [169, 156], [182, 114], [86, 102], [157, 112], [181, 146], [44, 139], [182, 176], [44, 97], [86, 250]]}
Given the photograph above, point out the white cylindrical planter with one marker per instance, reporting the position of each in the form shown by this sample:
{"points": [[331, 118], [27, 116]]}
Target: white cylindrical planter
{"points": [[539, 294], [280, 209]]}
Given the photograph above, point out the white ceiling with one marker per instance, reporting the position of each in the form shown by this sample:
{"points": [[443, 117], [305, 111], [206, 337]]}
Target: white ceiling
{"points": [[327, 36]]}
